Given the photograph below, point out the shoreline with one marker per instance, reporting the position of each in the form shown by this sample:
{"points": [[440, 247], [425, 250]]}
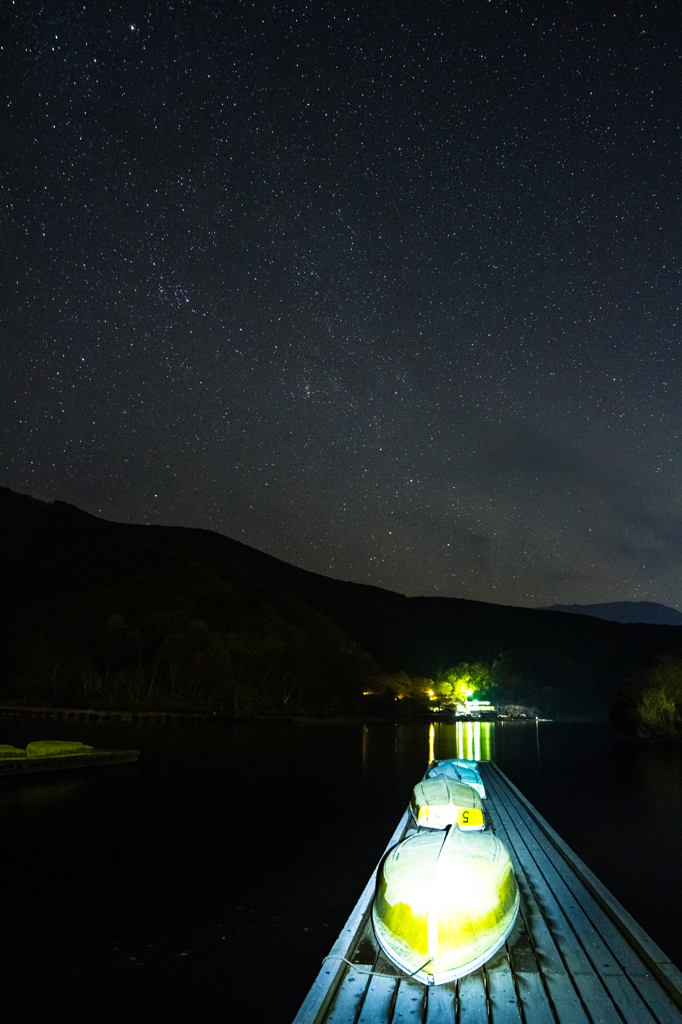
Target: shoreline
{"points": [[128, 715], [100, 713]]}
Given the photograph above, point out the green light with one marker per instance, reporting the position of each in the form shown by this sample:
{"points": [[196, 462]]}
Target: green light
{"points": [[56, 748], [458, 684]]}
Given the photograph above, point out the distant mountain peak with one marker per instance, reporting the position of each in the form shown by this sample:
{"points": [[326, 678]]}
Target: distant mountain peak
{"points": [[650, 612]]}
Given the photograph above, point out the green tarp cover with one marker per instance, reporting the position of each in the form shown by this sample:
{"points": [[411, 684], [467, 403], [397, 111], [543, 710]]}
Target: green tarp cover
{"points": [[7, 751], [56, 748]]}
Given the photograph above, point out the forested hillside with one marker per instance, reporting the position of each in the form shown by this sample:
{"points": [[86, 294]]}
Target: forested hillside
{"points": [[102, 614]]}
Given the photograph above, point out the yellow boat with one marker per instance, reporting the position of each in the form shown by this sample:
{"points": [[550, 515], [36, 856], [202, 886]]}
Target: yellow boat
{"points": [[445, 903], [439, 802]]}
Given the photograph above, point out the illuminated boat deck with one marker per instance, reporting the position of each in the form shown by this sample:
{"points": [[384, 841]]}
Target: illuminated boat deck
{"points": [[98, 758], [575, 955]]}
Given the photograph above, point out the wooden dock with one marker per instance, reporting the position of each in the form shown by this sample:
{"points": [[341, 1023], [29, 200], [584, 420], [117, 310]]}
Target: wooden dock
{"points": [[98, 758], [575, 955]]}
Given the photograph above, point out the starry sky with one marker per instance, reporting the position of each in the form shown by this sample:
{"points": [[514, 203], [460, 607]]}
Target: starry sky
{"points": [[387, 289]]}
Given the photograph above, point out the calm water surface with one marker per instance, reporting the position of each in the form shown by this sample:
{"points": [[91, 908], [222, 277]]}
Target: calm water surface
{"points": [[207, 882]]}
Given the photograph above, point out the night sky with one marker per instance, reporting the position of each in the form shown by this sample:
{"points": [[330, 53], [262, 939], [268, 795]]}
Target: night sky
{"points": [[387, 289]]}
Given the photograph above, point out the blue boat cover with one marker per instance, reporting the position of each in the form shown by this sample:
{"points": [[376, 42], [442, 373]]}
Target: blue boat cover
{"points": [[461, 770]]}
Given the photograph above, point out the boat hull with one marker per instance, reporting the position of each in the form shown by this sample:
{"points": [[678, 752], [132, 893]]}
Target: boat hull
{"points": [[459, 769], [441, 802], [445, 903]]}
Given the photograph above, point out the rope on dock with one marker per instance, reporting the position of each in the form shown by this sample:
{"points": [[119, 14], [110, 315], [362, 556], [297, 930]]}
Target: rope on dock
{"points": [[378, 974]]}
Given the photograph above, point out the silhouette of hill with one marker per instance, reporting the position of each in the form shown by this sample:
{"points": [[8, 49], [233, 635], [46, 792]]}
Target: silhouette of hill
{"points": [[626, 611], [116, 611]]}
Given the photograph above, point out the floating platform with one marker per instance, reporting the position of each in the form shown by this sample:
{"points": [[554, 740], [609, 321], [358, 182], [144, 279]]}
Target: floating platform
{"points": [[575, 956], [98, 758]]}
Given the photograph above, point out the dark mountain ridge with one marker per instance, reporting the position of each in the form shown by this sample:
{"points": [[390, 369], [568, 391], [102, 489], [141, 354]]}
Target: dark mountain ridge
{"points": [[651, 612], [61, 566]]}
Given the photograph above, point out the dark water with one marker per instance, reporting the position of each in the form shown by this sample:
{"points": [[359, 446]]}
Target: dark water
{"points": [[207, 882]]}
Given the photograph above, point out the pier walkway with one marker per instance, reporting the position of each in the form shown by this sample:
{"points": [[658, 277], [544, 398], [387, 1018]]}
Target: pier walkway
{"points": [[575, 955]]}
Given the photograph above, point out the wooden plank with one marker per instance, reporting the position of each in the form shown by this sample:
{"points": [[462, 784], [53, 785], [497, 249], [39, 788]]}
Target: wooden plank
{"points": [[503, 1004], [349, 997], [546, 953], [654, 994], [409, 1003], [322, 990], [533, 998], [562, 993], [529, 985], [572, 954], [366, 948], [580, 970], [384, 966], [628, 1000], [640, 997], [638, 938], [575, 894], [601, 957], [441, 1003], [576, 964], [378, 1003], [542, 922], [473, 999]]}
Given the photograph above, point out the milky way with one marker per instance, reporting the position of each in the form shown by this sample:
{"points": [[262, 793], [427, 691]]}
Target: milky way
{"points": [[389, 290]]}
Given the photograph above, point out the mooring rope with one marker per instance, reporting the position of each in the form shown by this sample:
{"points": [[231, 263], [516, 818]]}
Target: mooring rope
{"points": [[378, 974]]}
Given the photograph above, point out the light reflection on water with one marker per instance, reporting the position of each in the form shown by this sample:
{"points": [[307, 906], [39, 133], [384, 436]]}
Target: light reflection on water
{"points": [[41, 796], [471, 740]]}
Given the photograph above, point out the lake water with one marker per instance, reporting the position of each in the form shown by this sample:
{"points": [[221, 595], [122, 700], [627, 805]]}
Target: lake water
{"points": [[206, 882]]}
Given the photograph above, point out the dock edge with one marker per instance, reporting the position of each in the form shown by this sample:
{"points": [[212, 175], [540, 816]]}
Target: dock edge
{"points": [[660, 965], [323, 989]]}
